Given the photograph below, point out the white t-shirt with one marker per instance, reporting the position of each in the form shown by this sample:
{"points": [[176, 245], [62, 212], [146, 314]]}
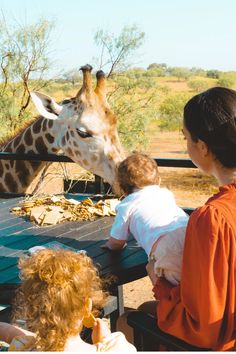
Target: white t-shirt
{"points": [[147, 214]]}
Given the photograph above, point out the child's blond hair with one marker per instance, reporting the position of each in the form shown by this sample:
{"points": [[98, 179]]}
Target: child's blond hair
{"points": [[137, 171], [55, 287]]}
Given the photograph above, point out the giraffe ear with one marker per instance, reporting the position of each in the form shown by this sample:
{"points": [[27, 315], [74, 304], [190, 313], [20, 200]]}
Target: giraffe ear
{"points": [[46, 105]]}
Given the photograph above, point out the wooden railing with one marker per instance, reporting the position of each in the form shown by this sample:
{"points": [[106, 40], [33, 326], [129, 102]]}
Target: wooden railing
{"points": [[100, 187]]}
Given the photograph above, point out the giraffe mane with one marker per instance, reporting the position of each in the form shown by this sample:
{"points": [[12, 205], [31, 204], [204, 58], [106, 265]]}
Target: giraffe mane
{"points": [[17, 131]]}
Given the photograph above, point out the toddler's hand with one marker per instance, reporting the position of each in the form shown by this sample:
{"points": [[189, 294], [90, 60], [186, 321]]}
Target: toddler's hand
{"points": [[106, 245], [100, 331]]}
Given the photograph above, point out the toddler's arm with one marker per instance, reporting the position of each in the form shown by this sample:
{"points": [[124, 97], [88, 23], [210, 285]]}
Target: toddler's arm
{"points": [[114, 244], [100, 331]]}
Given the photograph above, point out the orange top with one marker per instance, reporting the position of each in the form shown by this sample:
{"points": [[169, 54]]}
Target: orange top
{"points": [[202, 309]]}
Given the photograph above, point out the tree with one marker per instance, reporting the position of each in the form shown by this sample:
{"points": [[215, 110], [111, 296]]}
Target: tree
{"points": [[171, 111], [23, 64], [131, 94], [133, 101], [198, 85], [198, 72], [213, 74], [73, 76], [117, 51], [180, 73], [157, 66]]}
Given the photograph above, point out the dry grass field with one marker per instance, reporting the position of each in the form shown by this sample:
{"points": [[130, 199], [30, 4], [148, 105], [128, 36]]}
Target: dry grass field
{"points": [[190, 186]]}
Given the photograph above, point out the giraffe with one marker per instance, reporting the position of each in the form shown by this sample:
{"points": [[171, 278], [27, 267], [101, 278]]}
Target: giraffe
{"points": [[83, 127]]}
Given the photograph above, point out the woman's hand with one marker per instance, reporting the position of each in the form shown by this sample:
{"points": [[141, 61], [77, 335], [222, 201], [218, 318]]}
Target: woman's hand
{"points": [[150, 271], [100, 331]]}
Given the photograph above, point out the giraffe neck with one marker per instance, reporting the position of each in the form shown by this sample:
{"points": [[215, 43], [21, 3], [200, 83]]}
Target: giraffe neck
{"points": [[37, 138]]}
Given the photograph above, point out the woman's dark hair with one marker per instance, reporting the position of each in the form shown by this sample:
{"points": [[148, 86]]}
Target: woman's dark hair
{"points": [[211, 117]]}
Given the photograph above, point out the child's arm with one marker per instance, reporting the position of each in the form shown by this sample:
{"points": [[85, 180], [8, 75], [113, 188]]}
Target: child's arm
{"points": [[100, 331], [114, 244]]}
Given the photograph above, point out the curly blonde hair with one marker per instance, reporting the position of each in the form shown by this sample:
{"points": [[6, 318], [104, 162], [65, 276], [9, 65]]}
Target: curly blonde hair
{"points": [[55, 287], [137, 171]]}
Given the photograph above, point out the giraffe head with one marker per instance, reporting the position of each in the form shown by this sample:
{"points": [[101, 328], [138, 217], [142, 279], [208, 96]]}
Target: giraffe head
{"points": [[85, 127]]}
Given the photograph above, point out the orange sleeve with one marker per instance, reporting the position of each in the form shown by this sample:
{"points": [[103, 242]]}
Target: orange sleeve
{"points": [[201, 309]]}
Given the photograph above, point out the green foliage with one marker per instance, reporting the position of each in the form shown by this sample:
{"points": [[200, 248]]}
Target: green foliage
{"points": [[213, 74], [171, 111], [73, 76], [225, 82], [198, 72], [227, 79], [156, 72], [133, 101], [198, 85], [24, 62], [180, 73], [157, 66], [117, 51]]}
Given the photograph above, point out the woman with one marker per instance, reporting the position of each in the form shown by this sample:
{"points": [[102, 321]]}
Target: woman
{"points": [[201, 310]]}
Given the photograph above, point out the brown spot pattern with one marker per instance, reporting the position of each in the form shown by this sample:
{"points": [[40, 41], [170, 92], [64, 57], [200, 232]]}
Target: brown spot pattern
{"points": [[28, 137], [37, 126], [40, 145], [16, 141], [20, 149], [69, 151], [11, 182], [49, 138], [85, 162], [45, 125], [50, 123]]}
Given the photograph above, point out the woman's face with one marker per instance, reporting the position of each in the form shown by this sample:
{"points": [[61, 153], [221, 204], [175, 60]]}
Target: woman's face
{"points": [[198, 152]]}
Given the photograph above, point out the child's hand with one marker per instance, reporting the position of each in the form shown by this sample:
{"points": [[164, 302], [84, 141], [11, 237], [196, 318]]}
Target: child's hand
{"points": [[100, 331], [105, 245], [114, 244]]}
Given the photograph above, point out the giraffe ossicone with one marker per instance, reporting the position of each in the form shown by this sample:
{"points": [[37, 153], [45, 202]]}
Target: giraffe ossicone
{"points": [[83, 127]]}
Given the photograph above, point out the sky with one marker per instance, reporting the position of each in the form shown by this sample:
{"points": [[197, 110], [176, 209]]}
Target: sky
{"points": [[186, 33]]}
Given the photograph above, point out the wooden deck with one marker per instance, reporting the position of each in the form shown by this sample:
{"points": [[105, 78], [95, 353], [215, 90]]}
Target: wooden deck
{"points": [[17, 235]]}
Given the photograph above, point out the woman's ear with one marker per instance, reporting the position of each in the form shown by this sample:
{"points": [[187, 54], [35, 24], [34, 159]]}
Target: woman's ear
{"points": [[203, 147]]}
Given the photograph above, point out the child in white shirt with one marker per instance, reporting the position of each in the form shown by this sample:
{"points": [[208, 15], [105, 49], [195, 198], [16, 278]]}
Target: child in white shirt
{"points": [[149, 213]]}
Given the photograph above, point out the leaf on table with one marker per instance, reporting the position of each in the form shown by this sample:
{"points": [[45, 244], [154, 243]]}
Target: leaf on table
{"points": [[55, 209]]}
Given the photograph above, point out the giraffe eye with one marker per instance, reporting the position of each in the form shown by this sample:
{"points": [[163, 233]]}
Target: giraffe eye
{"points": [[83, 134]]}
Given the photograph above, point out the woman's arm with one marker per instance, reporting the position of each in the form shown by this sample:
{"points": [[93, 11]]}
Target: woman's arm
{"points": [[8, 332], [196, 310]]}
